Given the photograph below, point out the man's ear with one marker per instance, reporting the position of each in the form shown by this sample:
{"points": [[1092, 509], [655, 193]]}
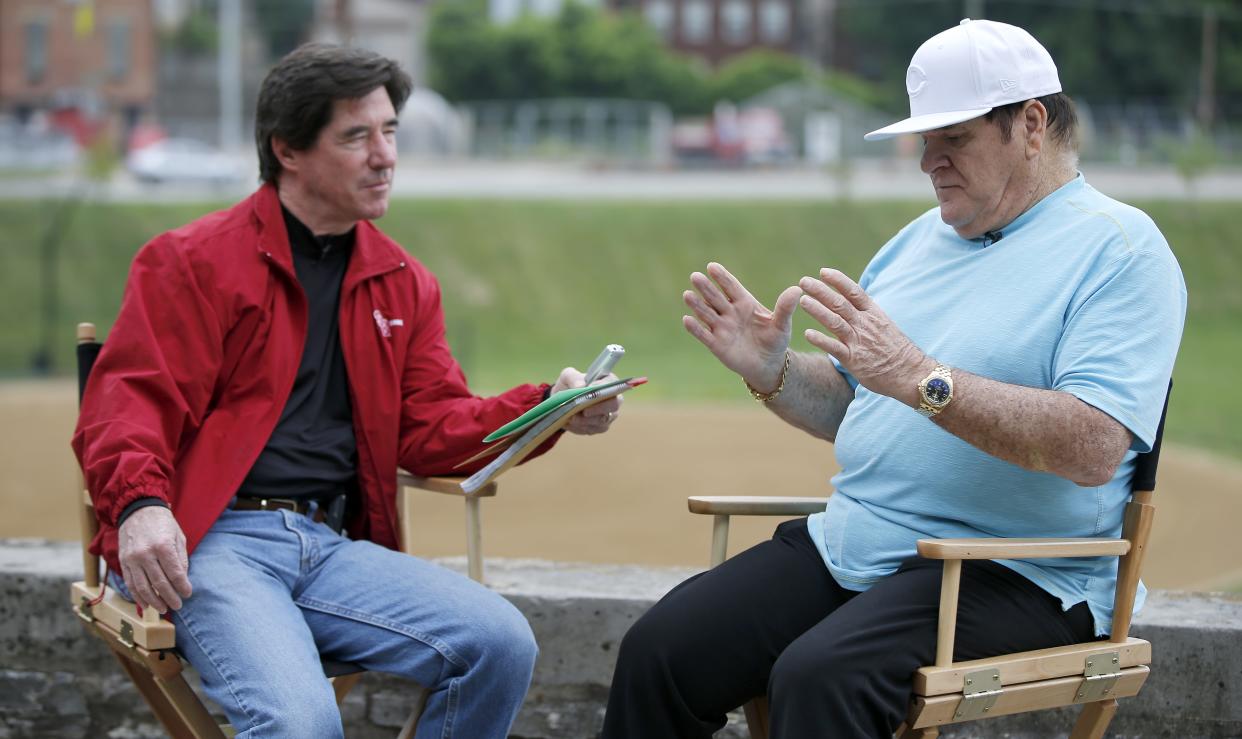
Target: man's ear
{"points": [[1034, 121], [285, 154]]}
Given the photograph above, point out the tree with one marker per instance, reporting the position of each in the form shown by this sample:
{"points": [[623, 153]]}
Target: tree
{"points": [[284, 23], [750, 74]]}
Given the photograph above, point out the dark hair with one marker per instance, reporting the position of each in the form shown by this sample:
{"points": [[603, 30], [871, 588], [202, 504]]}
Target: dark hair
{"points": [[1062, 119], [298, 94]]}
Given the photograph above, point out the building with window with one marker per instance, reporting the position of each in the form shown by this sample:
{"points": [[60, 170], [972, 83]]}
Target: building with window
{"points": [[713, 30], [716, 30], [92, 58]]}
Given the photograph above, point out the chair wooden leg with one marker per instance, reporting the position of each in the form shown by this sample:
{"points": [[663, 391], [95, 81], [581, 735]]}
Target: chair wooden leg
{"points": [[342, 684], [411, 723], [929, 732], [474, 539], [189, 707], [161, 704], [757, 717], [1094, 720]]}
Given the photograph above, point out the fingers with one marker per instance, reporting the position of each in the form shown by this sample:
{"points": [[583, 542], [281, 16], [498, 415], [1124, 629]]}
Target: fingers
{"points": [[165, 594], [178, 572], [154, 561], [711, 293], [569, 377], [851, 290], [786, 302], [597, 419], [732, 288], [828, 297], [830, 320], [140, 587], [701, 310], [827, 344], [697, 330], [159, 576]]}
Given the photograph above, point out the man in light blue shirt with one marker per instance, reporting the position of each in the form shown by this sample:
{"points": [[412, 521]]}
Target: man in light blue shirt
{"points": [[992, 374]]}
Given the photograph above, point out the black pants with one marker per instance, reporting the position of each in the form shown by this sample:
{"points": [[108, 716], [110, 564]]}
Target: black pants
{"points": [[833, 662]]}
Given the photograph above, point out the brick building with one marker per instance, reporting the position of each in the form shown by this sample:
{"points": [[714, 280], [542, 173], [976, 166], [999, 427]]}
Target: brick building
{"points": [[718, 29], [94, 59]]}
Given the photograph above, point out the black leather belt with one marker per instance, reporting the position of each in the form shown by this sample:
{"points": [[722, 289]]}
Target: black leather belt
{"points": [[277, 504]]}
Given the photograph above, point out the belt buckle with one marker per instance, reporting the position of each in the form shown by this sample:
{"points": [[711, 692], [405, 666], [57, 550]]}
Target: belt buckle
{"points": [[276, 504]]}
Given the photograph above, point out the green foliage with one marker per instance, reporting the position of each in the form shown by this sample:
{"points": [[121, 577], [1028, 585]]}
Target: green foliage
{"points": [[1145, 51], [750, 74], [197, 35], [582, 52], [463, 50], [531, 286], [101, 159], [1192, 156], [284, 23]]}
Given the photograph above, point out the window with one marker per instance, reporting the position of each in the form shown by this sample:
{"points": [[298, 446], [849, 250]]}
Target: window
{"points": [[774, 22], [735, 17], [36, 52], [696, 21], [659, 14], [118, 50]]}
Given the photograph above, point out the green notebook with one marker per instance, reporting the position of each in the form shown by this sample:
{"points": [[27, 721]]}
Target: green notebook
{"points": [[553, 402]]}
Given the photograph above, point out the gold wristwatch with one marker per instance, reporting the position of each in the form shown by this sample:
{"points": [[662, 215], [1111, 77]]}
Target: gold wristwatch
{"points": [[935, 391]]}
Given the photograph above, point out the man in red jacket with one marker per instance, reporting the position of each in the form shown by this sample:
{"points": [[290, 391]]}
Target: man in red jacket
{"points": [[271, 367]]}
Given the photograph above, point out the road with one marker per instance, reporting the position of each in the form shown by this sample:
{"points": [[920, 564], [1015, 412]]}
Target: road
{"points": [[864, 180]]}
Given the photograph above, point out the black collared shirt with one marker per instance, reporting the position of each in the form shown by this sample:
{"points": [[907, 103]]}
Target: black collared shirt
{"points": [[313, 452]]}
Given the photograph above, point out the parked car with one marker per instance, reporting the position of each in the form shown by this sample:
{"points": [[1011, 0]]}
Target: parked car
{"points": [[185, 160], [732, 137]]}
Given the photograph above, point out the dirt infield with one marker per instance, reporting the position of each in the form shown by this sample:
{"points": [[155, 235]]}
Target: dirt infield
{"points": [[621, 498]]}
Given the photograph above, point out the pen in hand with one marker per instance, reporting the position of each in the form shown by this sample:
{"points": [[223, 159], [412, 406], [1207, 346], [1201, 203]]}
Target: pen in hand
{"points": [[604, 363]]}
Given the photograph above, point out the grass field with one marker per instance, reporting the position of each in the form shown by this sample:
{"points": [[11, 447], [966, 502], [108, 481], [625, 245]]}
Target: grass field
{"points": [[532, 286]]}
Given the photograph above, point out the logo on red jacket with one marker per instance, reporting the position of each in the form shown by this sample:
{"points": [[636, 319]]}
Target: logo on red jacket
{"points": [[385, 324]]}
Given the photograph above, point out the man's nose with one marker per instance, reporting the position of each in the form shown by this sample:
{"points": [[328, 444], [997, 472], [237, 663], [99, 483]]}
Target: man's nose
{"points": [[933, 157], [383, 152]]}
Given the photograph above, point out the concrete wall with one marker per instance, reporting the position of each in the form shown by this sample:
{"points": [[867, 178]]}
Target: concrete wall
{"points": [[56, 682]]}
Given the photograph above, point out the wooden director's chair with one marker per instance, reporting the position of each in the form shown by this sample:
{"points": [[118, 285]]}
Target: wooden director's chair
{"points": [[144, 643], [1094, 674]]}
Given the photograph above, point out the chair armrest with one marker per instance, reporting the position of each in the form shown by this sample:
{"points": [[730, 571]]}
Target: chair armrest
{"points": [[755, 505], [1020, 548], [443, 484], [121, 617]]}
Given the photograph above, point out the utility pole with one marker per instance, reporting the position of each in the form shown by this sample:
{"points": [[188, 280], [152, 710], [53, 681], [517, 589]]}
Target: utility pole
{"points": [[345, 21], [817, 31], [229, 70], [1206, 111]]}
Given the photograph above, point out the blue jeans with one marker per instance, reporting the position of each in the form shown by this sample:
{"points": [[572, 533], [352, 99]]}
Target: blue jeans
{"points": [[274, 592]]}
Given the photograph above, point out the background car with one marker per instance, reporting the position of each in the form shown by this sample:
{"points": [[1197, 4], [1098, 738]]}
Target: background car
{"points": [[185, 160]]}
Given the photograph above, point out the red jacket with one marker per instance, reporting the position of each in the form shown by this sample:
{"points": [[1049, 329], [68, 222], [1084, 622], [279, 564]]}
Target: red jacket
{"points": [[197, 368]]}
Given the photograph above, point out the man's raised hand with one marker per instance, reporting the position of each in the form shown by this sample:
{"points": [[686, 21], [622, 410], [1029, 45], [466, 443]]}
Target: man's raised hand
{"points": [[741, 332]]}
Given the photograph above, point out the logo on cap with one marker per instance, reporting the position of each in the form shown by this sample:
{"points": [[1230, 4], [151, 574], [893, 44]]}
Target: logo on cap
{"points": [[1008, 85], [916, 80]]}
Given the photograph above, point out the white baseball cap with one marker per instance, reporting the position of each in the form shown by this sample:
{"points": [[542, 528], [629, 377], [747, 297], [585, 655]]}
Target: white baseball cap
{"points": [[966, 71]]}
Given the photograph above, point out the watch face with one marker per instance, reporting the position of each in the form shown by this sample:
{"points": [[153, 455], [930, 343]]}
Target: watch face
{"points": [[937, 392]]}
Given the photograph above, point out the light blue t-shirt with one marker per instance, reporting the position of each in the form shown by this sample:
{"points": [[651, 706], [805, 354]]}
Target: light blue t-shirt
{"points": [[1081, 294]]}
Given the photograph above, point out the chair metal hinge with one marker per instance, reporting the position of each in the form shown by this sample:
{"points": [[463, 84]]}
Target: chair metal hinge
{"points": [[84, 611], [127, 633], [980, 689], [1100, 676]]}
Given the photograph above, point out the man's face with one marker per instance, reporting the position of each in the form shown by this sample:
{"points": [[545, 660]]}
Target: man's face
{"points": [[348, 171], [975, 173]]}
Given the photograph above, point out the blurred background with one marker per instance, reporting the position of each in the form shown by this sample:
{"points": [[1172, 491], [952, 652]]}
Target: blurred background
{"points": [[564, 166]]}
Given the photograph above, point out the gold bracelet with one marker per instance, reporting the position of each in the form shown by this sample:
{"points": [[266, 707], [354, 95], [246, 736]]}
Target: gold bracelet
{"points": [[769, 397]]}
